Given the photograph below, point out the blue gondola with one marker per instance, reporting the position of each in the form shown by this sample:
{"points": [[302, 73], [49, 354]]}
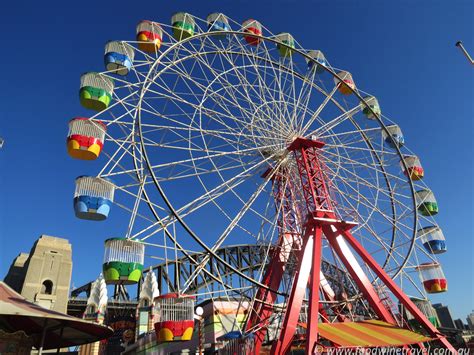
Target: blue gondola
{"points": [[319, 61], [118, 57], [433, 239], [394, 137], [93, 198], [218, 22]]}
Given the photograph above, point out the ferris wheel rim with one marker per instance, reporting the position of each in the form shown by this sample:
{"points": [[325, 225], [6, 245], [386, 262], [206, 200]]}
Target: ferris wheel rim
{"points": [[361, 100]]}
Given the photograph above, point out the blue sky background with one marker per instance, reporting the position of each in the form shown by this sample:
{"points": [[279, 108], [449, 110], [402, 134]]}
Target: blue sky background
{"points": [[403, 52]]}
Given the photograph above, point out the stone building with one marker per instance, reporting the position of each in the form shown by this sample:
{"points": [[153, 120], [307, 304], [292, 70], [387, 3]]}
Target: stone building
{"points": [[444, 316], [43, 276]]}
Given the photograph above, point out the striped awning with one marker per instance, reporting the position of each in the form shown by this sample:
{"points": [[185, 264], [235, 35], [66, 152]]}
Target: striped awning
{"points": [[369, 333], [60, 330]]}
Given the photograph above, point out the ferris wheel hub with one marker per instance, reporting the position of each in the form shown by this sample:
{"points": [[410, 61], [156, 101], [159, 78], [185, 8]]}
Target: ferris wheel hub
{"points": [[275, 153], [301, 142]]}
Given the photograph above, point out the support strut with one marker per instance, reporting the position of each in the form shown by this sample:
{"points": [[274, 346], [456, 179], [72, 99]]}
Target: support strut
{"points": [[321, 220]]}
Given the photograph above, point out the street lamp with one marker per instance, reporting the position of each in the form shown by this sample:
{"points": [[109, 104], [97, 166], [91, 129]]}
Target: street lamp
{"points": [[459, 44], [199, 311]]}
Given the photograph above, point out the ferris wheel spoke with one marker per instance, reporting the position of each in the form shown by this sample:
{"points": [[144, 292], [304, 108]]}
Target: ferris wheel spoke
{"points": [[121, 119], [363, 149], [366, 203], [360, 164], [201, 60], [218, 170], [209, 113], [350, 134], [247, 151], [304, 99], [193, 173], [135, 208], [244, 83], [271, 231], [137, 197], [348, 183], [138, 75], [216, 192], [329, 126], [117, 103], [242, 77], [279, 87], [263, 91], [171, 144], [400, 227], [230, 137], [114, 159], [268, 84], [226, 186], [205, 86], [380, 242], [290, 81], [230, 227], [146, 56], [385, 246], [356, 179]]}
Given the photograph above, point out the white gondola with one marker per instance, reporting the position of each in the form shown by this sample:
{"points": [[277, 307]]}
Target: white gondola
{"points": [[372, 103], [174, 315], [318, 61], [118, 57], [218, 22], [426, 202], [254, 27], [394, 138], [285, 45], [93, 198], [433, 239], [346, 83], [123, 261], [183, 25], [149, 36], [85, 138], [432, 277], [96, 91], [414, 169]]}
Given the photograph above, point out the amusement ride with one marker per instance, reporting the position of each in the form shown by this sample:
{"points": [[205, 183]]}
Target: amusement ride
{"points": [[212, 133]]}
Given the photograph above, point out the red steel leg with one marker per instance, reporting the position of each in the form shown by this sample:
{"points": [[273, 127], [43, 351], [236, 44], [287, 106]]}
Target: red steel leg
{"points": [[295, 300], [313, 308], [345, 254], [261, 312], [398, 293], [319, 204]]}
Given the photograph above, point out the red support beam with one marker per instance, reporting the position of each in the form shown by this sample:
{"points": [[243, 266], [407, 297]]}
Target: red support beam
{"points": [[321, 219], [295, 300], [397, 292], [338, 244], [313, 307], [290, 240]]}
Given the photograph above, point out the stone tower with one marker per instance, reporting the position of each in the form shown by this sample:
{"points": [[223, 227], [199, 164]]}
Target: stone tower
{"points": [[43, 276]]}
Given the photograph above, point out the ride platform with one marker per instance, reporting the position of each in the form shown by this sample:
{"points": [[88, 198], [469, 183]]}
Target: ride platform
{"points": [[368, 334]]}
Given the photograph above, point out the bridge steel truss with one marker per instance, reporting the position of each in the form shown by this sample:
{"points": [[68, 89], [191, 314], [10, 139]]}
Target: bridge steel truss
{"points": [[247, 258]]}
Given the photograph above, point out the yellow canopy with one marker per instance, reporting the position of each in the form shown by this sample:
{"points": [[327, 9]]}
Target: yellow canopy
{"points": [[369, 333]]}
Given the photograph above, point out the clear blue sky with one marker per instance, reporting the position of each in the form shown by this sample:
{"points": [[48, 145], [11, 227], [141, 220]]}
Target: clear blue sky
{"points": [[402, 51]]}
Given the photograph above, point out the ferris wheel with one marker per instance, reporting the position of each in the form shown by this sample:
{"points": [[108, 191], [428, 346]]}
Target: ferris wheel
{"points": [[210, 133]]}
